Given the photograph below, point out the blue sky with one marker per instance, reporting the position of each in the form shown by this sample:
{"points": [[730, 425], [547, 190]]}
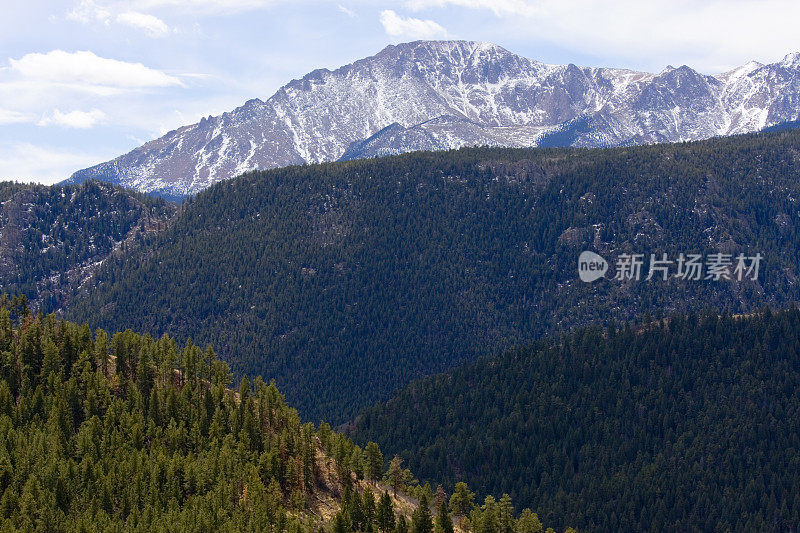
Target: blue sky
{"points": [[82, 81]]}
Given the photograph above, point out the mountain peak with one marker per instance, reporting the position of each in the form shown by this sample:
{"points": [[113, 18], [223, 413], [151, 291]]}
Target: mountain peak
{"points": [[791, 60], [739, 72], [500, 98], [456, 51], [449, 45]]}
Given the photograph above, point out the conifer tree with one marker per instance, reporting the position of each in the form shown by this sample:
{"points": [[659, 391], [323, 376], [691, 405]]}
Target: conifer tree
{"points": [[440, 498], [402, 525], [374, 462], [421, 520], [385, 513], [444, 521], [368, 502], [528, 522], [395, 473], [462, 501]]}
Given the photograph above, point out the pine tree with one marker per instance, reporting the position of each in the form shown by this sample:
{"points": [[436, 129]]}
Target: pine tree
{"points": [[444, 522], [505, 512], [341, 523], [385, 513], [101, 351], [440, 498], [528, 522], [421, 520], [368, 503], [395, 473], [356, 512], [489, 521], [402, 525], [374, 462], [463, 500]]}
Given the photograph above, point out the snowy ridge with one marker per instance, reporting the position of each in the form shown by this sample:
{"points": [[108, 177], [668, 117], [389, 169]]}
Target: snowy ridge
{"points": [[434, 95]]}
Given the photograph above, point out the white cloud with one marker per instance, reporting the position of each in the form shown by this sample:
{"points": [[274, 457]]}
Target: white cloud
{"points": [[80, 90], [89, 11], [74, 119], [207, 7], [347, 11], [410, 28], [13, 117], [28, 162], [498, 7], [652, 33], [152, 26], [84, 68]]}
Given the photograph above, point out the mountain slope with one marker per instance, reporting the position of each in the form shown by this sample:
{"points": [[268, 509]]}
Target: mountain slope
{"points": [[53, 238], [439, 95], [345, 281], [687, 426], [129, 433]]}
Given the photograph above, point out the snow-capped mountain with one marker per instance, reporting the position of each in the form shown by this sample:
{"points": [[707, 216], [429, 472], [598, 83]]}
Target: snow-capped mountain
{"points": [[433, 95]]}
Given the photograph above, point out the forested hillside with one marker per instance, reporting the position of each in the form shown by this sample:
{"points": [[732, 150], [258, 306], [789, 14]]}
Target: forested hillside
{"points": [[52, 238], [692, 423], [124, 432], [346, 281]]}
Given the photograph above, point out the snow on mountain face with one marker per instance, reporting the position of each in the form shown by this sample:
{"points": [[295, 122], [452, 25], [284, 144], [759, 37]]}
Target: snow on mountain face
{"points": [[433, 95]]}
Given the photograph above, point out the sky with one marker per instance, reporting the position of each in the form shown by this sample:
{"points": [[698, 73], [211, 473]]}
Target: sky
{"points": [[83, 81]]}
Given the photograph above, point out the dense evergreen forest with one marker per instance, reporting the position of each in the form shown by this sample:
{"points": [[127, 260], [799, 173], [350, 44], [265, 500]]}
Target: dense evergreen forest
{"points": [[51, 238], [792, 124], [691, 423], [128, 433], [346, 281]]}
